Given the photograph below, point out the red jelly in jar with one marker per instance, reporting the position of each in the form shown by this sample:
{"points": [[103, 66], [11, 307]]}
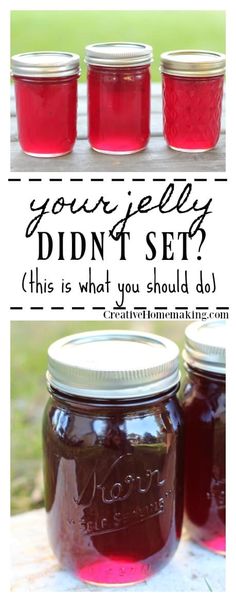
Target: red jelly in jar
{"points": [[192, 90], [118, 97], [46, 101], [113, 455], [204, 416]]}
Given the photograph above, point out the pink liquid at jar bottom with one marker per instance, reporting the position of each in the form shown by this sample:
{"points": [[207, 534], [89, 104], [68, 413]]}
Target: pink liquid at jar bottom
{"points": [[118, 108], [192, 111], [46, 114]]}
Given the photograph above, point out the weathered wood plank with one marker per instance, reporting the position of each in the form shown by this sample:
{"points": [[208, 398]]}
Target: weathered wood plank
{"points": [[35, 569]]}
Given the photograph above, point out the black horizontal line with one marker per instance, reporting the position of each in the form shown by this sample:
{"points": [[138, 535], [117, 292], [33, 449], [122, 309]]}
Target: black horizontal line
{"points": [[77, 307], [136, 307], [36, 307], [13, 307], [179, 179], [222, 307], [160, 307], [181, 307], [97, 179], [138, 179], [200, 179], [55, 179], [221, 179], [35, 179], [201, 307], [76, 179], [98, 307], [57, 307], [117, 179], [119, 307], [14, 179], [158, 179]]}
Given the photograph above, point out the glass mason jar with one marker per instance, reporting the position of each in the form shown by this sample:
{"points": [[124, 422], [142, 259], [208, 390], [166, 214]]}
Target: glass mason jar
{"points": [[113, 465], [204, 419], [118, 97], [192, 91], [46, 101]]}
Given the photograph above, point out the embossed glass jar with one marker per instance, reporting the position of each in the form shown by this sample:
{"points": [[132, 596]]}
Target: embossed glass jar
{"points": [[46, 101], [118, 97], [204, 416], [192, 90], [113, 462]]}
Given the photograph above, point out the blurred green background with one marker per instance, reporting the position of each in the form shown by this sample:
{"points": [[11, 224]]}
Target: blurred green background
{"points": [[29, 344], [72, 30]]}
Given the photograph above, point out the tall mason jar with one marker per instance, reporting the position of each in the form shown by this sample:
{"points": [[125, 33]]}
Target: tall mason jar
{"points": [[113, 455]]}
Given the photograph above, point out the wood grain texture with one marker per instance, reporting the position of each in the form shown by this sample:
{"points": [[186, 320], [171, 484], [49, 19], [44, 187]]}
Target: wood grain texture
{"points": [[35, 569], [157, 157]]}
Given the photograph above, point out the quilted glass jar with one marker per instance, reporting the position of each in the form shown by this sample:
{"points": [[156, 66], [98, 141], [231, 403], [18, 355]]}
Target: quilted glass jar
{"points": [[118, 97], [204, 418], [192, 91], [46, 101], [113, 455]]}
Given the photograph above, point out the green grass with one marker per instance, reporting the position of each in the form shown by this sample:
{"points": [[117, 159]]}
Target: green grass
{"points": [[72, 30], [29, 343]]}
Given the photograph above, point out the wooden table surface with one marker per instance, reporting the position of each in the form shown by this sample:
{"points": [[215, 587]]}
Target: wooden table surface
{"points": [[157, 157], [35, 569]]}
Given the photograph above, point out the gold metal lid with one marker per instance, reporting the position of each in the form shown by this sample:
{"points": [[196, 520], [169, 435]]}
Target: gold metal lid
{"points": [[113, 364], [192, 63]]}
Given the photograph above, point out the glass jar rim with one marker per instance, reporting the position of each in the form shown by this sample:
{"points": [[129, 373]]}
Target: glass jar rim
{"points": [[45, 64], [118, 404], [118, 54], [192, 63], [113, 364]]}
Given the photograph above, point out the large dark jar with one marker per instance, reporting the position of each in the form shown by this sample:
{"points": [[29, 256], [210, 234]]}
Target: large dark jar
{"points": [[113, 448], [204, 415]]}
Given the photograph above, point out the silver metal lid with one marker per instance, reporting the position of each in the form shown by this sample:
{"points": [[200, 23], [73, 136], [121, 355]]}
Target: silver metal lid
{"points": [[205, 346], [193, 63], [113, 364], [45, 64], [118, 54]]}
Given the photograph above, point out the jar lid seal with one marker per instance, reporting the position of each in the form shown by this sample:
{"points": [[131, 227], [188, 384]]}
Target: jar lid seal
{"points": [[192, 63], [45, 64], [113, 364], [205, 346], [118, 54]]}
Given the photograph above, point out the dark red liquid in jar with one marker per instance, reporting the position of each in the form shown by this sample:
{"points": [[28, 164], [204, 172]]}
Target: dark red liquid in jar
{"points": [[113, 486], [118, 108], [46, 114], [192, 111], [204, 416]]}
